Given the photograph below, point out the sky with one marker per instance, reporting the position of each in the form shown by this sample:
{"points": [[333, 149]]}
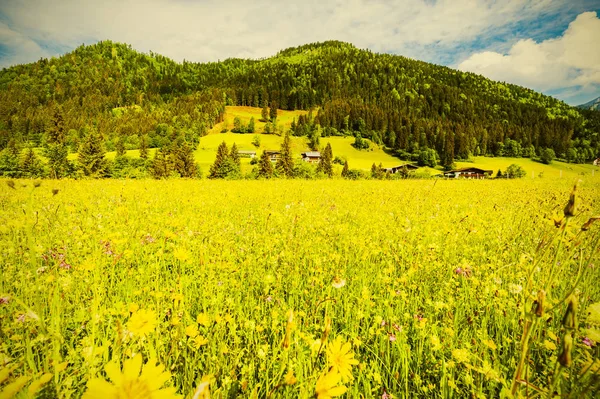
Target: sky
{"points": [[552, 46]]}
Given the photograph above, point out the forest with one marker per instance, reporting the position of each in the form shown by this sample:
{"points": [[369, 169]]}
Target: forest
{"points": [[109, 97]]}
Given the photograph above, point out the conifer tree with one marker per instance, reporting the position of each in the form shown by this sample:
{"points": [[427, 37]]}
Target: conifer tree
{"points": [[285, 163], [31, 165], [55, 148], [216, 170], [235, 157], [143, 147], [264, 114], [273, 111], [265, 167], [161, 167], [182, 157], [345, 170], [325, 164], [120, 147], [251, 126], [91, 155]]}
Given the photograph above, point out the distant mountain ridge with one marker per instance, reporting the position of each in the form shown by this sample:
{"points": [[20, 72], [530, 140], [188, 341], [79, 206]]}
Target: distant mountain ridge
{"points": [[594, 104], [407, 105]]}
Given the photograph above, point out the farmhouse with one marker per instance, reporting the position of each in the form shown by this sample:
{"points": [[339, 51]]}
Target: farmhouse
{"points": [[273, 155], [469, 173], [399, 168], [247, 154], [311, 156]]}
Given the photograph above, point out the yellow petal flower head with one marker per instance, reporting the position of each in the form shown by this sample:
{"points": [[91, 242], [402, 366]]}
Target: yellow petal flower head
{"points": [[142, 322], [129, 383], [327, 385], [341, 358]]}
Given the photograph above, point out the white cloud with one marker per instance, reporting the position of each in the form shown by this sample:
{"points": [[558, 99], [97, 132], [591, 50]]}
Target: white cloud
{"points": [[208, 30], [570, 60]]}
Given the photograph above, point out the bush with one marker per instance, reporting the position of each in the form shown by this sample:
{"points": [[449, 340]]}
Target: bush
{"points": [[515, 171], [547, 156]]}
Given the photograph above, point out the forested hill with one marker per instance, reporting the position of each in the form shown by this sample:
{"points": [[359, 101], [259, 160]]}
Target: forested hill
{"points": [[407, 105]]}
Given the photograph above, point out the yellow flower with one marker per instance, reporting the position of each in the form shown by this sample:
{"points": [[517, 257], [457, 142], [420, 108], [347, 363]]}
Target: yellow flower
{"points": [[181, 254], [461, 355], [341, 358], [200, 341], [203, 319], [549, 345], [191, 330], [327, 385], [133, 307], [289, 378], [130, 384], [142, 322]]}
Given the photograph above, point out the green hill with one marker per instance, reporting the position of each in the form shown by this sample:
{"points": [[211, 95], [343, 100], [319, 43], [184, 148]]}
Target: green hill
{"points": [[402, 105]]}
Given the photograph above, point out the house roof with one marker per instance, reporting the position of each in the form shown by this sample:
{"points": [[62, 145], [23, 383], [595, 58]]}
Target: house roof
{"points": [[272, 152], [406, 165], [246, 152], [471, 170], [311, 154]]}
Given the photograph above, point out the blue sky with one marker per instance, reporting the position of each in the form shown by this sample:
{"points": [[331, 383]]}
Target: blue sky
{"points": [[547, 45]]}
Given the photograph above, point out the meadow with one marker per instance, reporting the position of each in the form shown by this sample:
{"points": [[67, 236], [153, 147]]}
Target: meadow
{"points": [[296, 288]]}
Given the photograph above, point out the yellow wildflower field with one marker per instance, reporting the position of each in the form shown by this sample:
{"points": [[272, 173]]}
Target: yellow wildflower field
{"points": [[294, 288]]}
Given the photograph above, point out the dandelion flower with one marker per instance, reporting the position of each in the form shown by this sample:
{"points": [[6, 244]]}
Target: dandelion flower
{"points": [[191, 330], [341, 358], [338, 282], [203, 319], [142, 322], [129, 383], [327, 385]]}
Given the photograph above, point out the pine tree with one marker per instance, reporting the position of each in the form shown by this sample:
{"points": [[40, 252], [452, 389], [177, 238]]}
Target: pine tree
{"points": [[143, 147], [91, 155], [345, 170], [325, 163], [9, 160], [264, 114], [31, 166], [251, 126], [265, 167], [55, 148], [161, 167], [120, 147], [235, 157], [273, 111], [183, 160], [216, 170], [285, 163], [256, 141]]}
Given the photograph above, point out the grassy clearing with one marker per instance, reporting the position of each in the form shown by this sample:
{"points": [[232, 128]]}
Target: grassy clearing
{"points": [[429, 282]]}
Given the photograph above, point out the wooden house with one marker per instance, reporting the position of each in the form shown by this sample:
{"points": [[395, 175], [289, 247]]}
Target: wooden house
{"points": [[468, 173], [311, 156], [273, 155], [247, 154], [409, 168]]}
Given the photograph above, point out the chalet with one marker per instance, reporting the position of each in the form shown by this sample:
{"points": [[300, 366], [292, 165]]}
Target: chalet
{"points": [[399, 168], [273, 155], [311, 156], [469, 173], [597, 162], [247, 154]]}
